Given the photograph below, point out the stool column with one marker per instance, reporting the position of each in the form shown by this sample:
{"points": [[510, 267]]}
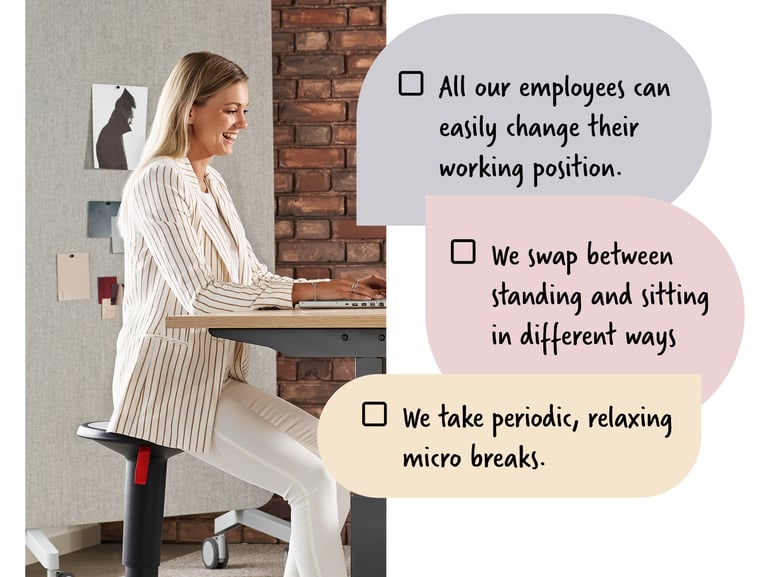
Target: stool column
{"points": [[143, 523]]}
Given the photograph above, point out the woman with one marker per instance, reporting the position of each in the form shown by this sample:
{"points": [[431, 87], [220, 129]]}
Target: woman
{"points": [[186, 252]]}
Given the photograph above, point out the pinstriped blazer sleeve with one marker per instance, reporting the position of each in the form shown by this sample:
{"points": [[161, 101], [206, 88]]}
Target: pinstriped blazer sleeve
{"points": [[162, 213]]}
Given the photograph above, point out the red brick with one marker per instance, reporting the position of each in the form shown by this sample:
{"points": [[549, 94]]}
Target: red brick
{"points": [[169, 531], [313, 182], [358, 40], [309, 393], [278, 507], [257, 537], [286, 369], [311, 158], [344, 134], [360, 63], [346, 87], [314, 369], [284, 229], [314, 410], [351, 157], [283, 181], [364, 16], [112, 532], [285, 271], [314, 17], [314, 88], [346, 532], [359, 271], [234, 535], [312, 111], [344, 180], [310, 251], [343, 370], [195, 530], [315, 205], [312, 65], [283, 42], [310, 41], [283, 89], [351, 205], [363, 252], [283, 134], [313, 229], [311, 272], [346, 228], [314, 135]]}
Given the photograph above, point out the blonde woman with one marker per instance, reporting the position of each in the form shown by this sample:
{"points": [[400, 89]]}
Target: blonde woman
{"points": [[186, 252]]}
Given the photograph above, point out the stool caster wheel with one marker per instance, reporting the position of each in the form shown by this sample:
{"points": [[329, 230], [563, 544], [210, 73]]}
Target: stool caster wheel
{"points": [[64, 574], [214, 552]]}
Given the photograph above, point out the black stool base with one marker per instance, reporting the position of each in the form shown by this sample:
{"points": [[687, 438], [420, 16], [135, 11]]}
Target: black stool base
{"points": [[145, 492]]}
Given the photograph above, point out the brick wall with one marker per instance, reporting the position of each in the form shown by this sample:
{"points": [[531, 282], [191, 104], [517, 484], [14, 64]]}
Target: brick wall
{"points": [[321, 53], [322, 50]]}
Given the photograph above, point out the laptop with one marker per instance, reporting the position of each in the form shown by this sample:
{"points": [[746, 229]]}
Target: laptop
{"points": [[342, 304]]}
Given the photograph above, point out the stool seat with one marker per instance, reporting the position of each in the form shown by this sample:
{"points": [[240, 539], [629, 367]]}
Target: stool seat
{"points": [[145, 493], [123, 444]]}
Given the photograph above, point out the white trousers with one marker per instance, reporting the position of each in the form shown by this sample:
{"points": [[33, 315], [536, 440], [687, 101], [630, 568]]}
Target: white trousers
{"points": [[271, 443]]}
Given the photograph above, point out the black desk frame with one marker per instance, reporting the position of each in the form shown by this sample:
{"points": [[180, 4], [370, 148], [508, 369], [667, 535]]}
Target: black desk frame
{"points": [[367, 346]]}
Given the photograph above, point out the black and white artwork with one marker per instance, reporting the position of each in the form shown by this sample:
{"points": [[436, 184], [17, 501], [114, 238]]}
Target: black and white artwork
{"points": [[119, 117]]}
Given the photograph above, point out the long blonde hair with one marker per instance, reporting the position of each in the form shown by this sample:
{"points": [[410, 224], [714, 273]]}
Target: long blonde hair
{"points": [[195, 78]]}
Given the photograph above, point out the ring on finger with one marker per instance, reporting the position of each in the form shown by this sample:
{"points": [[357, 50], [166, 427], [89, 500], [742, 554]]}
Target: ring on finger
{"points": [[354, 287]]}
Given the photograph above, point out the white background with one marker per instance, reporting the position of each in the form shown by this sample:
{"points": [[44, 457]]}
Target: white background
{"points": [[715, 522]]}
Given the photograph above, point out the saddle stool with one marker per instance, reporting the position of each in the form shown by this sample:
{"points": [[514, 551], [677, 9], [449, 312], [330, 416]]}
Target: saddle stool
{"points": [[145, 493]]}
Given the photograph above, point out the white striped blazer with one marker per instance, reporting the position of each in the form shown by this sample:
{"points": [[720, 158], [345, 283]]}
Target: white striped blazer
{"points": [[179, 260]]}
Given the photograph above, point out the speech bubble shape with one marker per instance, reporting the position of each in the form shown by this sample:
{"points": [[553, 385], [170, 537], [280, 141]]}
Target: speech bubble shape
{"points": [[512, 435], [566, 284], [527, 104]]}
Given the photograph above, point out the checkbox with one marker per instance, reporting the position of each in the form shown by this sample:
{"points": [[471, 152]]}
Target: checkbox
{"points": [[463, 251], [374, 414], [410, 83]]}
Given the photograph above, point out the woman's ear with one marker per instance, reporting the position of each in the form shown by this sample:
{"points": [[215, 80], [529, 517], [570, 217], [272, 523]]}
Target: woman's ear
{"points": [[191, 115]]}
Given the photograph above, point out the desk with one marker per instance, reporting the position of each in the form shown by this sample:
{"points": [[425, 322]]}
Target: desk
{"points": [[319, 333]]}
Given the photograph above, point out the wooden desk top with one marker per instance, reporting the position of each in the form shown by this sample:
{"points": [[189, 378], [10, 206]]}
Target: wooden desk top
{"points": [[292, 319]]}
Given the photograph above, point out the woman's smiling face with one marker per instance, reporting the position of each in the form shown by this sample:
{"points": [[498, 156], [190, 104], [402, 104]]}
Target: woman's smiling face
{"points": [[215, 125]]}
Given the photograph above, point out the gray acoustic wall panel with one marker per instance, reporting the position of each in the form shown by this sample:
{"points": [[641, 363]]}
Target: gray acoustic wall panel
{"points": [[70, 45]]}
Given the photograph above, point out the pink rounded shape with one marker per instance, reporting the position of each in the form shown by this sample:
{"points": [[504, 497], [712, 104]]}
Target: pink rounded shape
{"points": [[600, 273]]}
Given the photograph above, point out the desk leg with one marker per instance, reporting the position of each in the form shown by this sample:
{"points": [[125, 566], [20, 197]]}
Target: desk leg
{"points": [[368, 539]]}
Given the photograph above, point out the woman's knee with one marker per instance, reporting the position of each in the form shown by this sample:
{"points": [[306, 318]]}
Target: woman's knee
{"points": [[315, 479]]}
